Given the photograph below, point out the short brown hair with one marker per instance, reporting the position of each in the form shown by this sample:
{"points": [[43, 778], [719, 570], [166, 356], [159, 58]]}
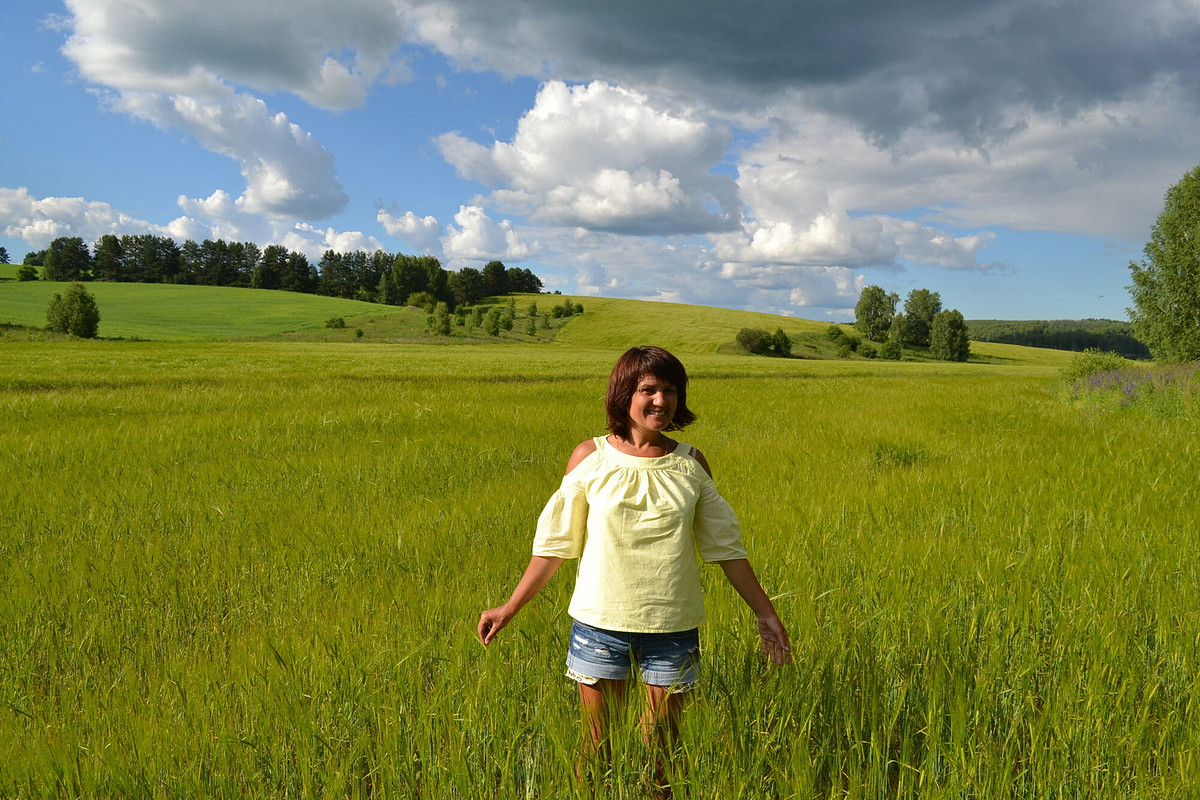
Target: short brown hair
{"points": [[631, 367]]}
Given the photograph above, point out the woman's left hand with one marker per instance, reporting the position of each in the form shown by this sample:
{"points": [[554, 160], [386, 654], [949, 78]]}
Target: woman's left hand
{"points": [[775, 639]]}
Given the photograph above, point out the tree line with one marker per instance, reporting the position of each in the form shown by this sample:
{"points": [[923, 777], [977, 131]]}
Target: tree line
{"points": [[378, 277], [1063, 334]]}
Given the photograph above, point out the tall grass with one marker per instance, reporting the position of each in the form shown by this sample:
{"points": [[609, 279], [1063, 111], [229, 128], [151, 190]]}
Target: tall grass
{"points": [[254, 570]]}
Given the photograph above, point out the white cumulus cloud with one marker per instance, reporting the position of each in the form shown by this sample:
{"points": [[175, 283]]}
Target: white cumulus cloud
{"points": [[423, 233], [479, 237], [605, 158]]}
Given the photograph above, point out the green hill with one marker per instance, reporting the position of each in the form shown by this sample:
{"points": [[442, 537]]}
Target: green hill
{"points": [[169, 312], [683, 328]]}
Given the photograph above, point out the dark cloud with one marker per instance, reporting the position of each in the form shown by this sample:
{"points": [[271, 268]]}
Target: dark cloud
{"points": [[970, 67]]}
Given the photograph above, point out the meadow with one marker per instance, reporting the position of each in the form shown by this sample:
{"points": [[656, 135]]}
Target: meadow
{"points": [[253, 570]]}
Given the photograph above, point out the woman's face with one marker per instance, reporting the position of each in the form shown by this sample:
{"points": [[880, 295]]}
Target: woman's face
{"points": [[653, 404]]}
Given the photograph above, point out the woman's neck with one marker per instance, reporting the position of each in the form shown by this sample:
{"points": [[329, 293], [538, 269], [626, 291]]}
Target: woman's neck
{"points": [[643, 443]]}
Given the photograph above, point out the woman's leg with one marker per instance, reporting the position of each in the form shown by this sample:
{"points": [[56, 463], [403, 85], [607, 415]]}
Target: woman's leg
{"points": [[660, 731], [599, 705]]}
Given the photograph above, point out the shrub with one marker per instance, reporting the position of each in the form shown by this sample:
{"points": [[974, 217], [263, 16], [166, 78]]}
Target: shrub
{"points": [[491, 322], [781, 345], [27, 272], [834, 333], [891, 350], [74, 312], [867, 350], [335, 322], [1089, 362], [754, 340], [422, 300], [439, 320]]}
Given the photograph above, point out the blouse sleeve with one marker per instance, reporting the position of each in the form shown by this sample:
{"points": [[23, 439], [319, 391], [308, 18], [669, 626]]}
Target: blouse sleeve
{"points": [[718, 534], [562, 525]]}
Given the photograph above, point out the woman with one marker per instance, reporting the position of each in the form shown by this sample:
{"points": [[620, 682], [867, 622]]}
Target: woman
{"points": [[635, 507]]}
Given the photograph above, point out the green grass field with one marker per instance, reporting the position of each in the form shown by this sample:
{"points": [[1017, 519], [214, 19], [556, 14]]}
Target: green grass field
{"points": [[253, 570], [167, 312]]}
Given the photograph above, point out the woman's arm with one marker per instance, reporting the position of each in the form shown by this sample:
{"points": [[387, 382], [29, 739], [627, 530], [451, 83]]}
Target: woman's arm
{"points": [[537, 575], [770, 628]]}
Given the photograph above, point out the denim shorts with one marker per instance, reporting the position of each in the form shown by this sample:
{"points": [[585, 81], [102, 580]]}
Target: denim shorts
{"points": [[671, 660]]}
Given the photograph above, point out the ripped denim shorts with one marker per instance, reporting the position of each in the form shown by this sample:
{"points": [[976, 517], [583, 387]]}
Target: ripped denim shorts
{"points": [[671, 660]]}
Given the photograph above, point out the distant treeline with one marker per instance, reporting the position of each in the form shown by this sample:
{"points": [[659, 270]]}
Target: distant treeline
{"points": [[1062, 334], [377, 277]]}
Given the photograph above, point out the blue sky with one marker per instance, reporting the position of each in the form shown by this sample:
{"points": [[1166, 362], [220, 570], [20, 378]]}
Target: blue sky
{"points": [[774, 156]]}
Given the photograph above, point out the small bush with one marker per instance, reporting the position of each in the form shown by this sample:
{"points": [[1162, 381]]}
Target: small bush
{"points": [[867, 350], [439, 321], [491, 323], [74, 312], [27, 272], [755, 341], [834, 333], [781, 345], [1091, 361], [422, 300], [891, 350], [335, 322]]}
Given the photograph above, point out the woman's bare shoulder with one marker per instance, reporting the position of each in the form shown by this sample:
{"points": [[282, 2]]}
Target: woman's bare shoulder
{"points": [[581, 451], [696, 454]]}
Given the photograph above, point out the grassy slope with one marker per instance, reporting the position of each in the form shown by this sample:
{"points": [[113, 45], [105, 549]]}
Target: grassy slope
{"points": [[682, 328], [166, 312], [617, 324]]}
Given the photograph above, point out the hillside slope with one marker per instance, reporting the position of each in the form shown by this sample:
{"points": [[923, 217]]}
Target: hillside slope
{"points": [[167, 312], [684, 328], [170, 312]]}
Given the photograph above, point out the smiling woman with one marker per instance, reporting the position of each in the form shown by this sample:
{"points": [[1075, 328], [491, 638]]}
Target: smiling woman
{"points": [[636, 508]]}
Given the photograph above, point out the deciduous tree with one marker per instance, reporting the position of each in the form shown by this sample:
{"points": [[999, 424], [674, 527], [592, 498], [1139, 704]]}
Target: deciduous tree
{"points": [[920, 307], [874, 311], [949, 339], [1166, 284]]}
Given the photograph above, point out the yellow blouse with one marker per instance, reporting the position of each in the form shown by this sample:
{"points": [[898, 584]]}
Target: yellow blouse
{"points": [[636, 525]]}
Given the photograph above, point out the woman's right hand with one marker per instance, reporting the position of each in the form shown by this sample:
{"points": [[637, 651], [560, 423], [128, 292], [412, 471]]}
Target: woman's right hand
{"points": [[490, 623], [540, 570]]}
